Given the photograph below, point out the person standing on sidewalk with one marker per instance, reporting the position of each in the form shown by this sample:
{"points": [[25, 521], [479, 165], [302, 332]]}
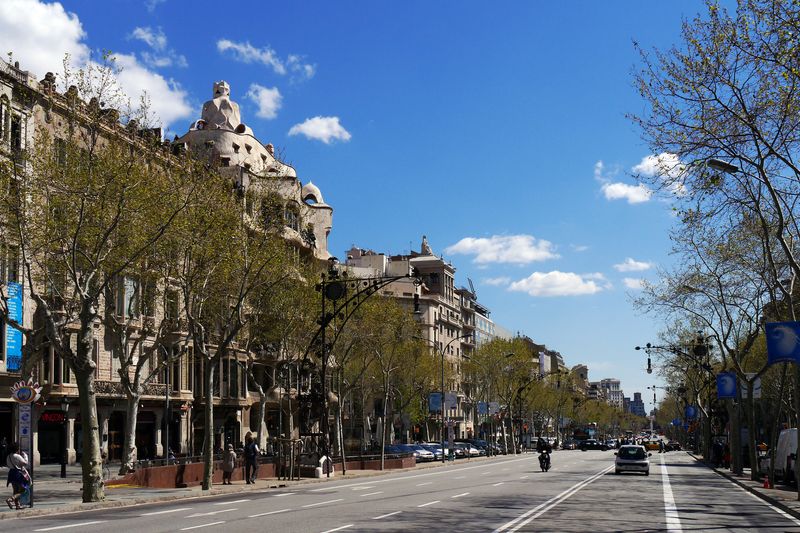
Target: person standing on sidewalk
{"points": [[18, 476], [250, 458], [228, 464]]}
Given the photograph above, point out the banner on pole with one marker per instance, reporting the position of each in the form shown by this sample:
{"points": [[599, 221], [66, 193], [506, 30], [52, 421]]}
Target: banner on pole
{"points": [[756, 387], [435, 402], [483, 408], [726, 385], [690, 413], [783, 342]]}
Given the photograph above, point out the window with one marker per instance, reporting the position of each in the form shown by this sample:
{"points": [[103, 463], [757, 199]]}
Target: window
{"points": [[127, 297], [16, 133], [171, 305], [291, 218], [149, 298]]}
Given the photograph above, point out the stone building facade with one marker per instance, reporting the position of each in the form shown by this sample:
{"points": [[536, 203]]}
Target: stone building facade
{"points": [[171, 403]]}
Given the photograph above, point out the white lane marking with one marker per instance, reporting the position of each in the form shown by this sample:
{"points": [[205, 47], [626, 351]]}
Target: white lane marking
{"points": [[363, 488], [485, 473], [459, 477], [528, 516], [426, 483], [443, 471], [460, 495], [271, 512], [323, 488], [524, 477], [497, 484], [776, 509], [372, 493], [231, 503], [337, 528], [386, 515], [429, 503], [322, 503], [202, 525], [670, 510], [284, 494], [195, 515], [167, 511], [71, 525]]}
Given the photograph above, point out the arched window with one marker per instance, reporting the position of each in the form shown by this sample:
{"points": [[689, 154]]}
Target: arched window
{"points": [[291, 217]]}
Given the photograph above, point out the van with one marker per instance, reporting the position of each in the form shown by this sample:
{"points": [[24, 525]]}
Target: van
{"points": [[786, 454]]}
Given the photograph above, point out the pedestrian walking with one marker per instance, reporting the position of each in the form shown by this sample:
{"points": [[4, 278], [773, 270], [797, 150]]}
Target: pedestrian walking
{"points": [[18, 476], [228, 464], [250, 458]]}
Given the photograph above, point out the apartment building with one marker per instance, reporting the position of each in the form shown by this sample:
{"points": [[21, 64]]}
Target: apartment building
{"points": [[171, 403]]}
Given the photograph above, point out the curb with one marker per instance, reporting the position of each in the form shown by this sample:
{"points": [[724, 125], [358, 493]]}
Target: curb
{"points": [[272, 483], [752, 490]]}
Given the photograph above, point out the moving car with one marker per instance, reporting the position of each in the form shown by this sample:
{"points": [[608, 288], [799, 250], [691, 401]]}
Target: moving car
{"points": [[672, 446], [632, 459], [593, 444], [651, 445]]}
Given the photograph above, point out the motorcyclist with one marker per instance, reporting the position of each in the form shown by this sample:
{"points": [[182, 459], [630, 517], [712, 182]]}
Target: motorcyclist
{"points": [[544, 449]]}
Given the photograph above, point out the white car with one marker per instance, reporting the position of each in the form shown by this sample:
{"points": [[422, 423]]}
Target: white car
{"points": [[632, 459]]}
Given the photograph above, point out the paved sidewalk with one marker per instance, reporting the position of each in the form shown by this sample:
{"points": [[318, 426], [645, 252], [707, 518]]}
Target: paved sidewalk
{"points": [[54, 495], [782, 496]]}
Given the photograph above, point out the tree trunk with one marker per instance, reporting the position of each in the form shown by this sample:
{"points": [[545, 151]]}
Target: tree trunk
{"points": [[208, 431], [751, 433], [797, 411], [773, 438], [735, 437], [385, 420], [91, 462], [129, 451], [339, 433], [505, 438]]}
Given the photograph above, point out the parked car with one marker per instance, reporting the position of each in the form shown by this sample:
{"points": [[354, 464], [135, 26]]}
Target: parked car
{"points": [[395, 449], [468, 449], [570, 445], [420, 454], [481, 445], [435, 449], [632, 459], [593, 444], [672, 446]]}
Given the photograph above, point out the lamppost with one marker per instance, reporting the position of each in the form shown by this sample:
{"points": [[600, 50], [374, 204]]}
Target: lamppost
{"points": [[65, 433], [445, 418], [341, 296]]}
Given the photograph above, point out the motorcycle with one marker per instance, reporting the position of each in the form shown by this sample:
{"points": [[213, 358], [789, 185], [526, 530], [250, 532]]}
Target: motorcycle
{"points": [[544, 461]]}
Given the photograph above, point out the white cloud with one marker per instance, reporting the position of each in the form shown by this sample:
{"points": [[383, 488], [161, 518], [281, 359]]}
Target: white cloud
{"points": [[157, 41], [633, 283], [631, 265], [612, 190], [268, 100], [247, 53], [665, 166], [152, 4], [517, 249], [168, 101], [325, 129], [557, 283], [634, 194], [39, 34], [502, 280], [579, 247]]}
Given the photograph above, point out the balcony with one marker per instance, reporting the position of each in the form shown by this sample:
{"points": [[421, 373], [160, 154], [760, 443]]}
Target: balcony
{"points": [[115, 388]]}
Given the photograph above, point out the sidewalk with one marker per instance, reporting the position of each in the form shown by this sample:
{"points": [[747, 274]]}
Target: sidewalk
{"points": [[54, 495], [783, 497]]}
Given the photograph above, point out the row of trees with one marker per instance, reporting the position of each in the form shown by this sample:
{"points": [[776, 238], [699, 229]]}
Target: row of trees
{"points": [[112, 229], [723, 110]]}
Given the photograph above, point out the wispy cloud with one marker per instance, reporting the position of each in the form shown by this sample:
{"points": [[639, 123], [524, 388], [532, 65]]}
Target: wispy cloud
{"points": [[556, 283], [294, 64], [515, 249], [632, 265], [502, 280], [152, 4], [633, 283], [268, 100], [579, 247], [616, 190], [161, 56], [325, 129]]}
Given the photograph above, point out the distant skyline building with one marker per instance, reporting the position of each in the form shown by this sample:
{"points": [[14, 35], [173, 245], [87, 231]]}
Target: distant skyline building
{"points": [[637, 405]]}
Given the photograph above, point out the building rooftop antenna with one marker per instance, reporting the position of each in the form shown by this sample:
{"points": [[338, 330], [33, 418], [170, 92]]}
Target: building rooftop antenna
{"points": [[472, 287]]}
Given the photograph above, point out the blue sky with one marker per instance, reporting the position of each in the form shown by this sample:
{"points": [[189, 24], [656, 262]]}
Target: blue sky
{"points": [[498, 130]]}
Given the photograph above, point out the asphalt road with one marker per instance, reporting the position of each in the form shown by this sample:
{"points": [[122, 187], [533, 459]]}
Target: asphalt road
{"points": [[580, 493]]}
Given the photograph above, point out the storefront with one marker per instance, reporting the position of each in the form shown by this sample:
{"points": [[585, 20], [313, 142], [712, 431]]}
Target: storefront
{"points": [[51, 437]]}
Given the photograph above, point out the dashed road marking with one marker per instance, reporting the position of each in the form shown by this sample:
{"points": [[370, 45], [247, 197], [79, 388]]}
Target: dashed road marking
{"points": [[429, 503], [372, 493], [167, 511], [459, 495], [337, 528], [322, 503], [497, 484], [268, 513], [54, 528], [195, 515], [202, 525], [386, 515], [231, 503], [426, 483]]}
